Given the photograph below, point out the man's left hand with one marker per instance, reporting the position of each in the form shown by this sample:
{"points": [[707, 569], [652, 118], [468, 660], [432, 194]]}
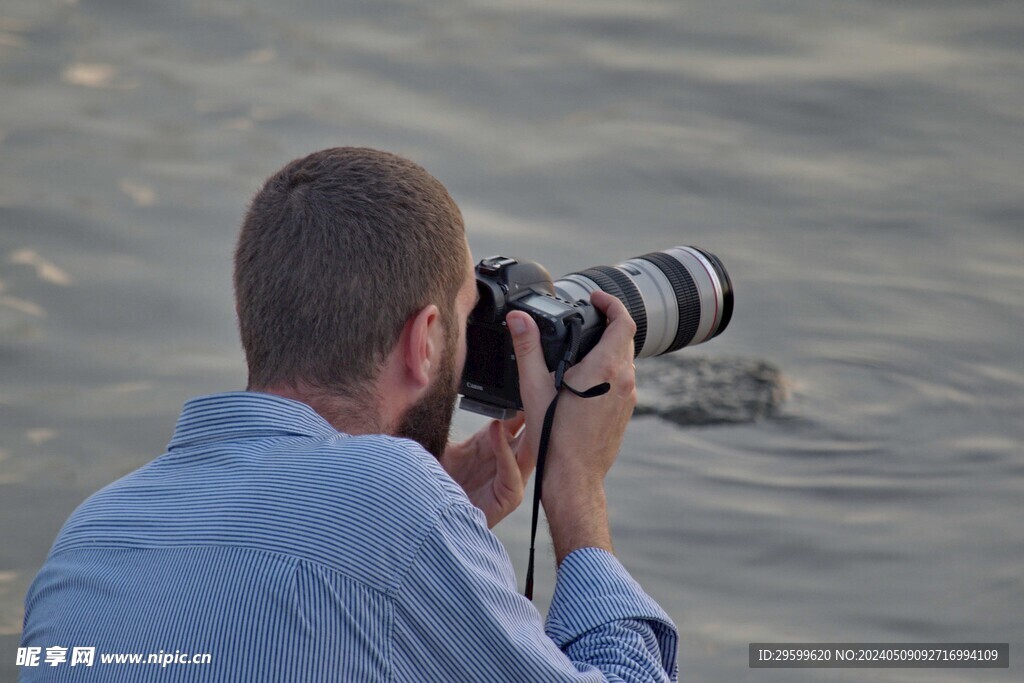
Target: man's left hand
{"points": [[492, 467]]}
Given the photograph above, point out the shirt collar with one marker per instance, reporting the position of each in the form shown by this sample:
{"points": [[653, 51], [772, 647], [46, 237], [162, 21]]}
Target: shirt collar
{"points": [[240, 414]]}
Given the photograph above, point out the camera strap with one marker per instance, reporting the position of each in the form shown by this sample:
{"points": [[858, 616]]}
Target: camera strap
{"points": [[575, 328]]}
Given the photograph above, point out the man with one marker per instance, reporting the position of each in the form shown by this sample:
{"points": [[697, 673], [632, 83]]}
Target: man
{"points": [[318, 526]]}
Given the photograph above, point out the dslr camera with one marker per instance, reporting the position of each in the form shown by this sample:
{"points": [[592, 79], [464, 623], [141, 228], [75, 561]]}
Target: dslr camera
{"points": [[677, 297]]}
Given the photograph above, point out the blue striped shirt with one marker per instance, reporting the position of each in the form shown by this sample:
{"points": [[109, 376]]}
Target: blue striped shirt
{"points": [[289, 551]]}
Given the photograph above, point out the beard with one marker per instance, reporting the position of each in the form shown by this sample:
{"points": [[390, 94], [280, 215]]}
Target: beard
{"points": [[428, 422]]}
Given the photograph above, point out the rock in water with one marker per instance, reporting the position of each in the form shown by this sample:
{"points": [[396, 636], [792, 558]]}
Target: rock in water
{"points": [[695, 390]]}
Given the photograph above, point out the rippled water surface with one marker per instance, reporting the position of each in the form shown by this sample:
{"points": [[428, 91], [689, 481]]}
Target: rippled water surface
{"points": [[857, 165]]}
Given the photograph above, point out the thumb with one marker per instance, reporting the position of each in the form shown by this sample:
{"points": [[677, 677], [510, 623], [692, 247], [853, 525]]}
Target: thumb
{"points": [[534, 377]]}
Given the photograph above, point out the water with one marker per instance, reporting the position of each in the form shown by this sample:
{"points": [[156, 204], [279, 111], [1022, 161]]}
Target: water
{"points": [[858, 167]]}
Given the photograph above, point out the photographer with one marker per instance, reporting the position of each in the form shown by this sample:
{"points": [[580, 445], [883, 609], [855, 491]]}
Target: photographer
{"points": [[319, 526]]}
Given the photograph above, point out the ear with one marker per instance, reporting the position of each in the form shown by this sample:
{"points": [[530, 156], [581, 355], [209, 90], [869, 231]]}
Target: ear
{"points": [[423, 339]]}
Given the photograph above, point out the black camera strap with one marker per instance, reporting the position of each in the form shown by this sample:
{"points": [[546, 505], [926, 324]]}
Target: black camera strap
{"points": [[575, 328]]}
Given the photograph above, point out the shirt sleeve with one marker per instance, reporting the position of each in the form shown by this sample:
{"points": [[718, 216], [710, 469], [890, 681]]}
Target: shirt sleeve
{"points": [[458, 616]]}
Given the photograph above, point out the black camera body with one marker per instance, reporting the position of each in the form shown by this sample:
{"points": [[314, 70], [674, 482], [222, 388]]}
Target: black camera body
{"points": [[677, 297], [490, 380]]}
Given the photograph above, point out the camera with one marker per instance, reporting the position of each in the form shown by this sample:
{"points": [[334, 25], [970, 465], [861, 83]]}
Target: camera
{"points": [[677, 297]]}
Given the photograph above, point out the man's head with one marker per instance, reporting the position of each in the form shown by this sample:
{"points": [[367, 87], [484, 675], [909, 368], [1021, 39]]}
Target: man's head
{"points": [[345, 256]]}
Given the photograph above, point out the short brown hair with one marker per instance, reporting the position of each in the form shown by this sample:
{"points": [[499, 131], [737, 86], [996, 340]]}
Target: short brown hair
{"points": [[335, 254]]}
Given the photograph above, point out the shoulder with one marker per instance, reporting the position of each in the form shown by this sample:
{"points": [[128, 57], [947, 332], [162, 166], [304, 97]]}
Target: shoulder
{"points": [[360, 505], [377, 468], [368, 501]]}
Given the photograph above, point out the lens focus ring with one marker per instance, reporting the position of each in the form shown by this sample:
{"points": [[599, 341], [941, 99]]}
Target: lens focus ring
{"points": [[677, 297], [621, 286], [687, 296]]}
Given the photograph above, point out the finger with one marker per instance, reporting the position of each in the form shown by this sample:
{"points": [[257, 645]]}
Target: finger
{"points": [[513, 426], [525, 456], [515, 432], [517, 440], [507, 473]]}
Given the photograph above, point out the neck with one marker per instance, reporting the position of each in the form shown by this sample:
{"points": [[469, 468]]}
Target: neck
{"points": [[351, 415]]}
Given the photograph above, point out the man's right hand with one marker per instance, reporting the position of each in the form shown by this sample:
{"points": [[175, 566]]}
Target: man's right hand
{"points": [[587, 432]]}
